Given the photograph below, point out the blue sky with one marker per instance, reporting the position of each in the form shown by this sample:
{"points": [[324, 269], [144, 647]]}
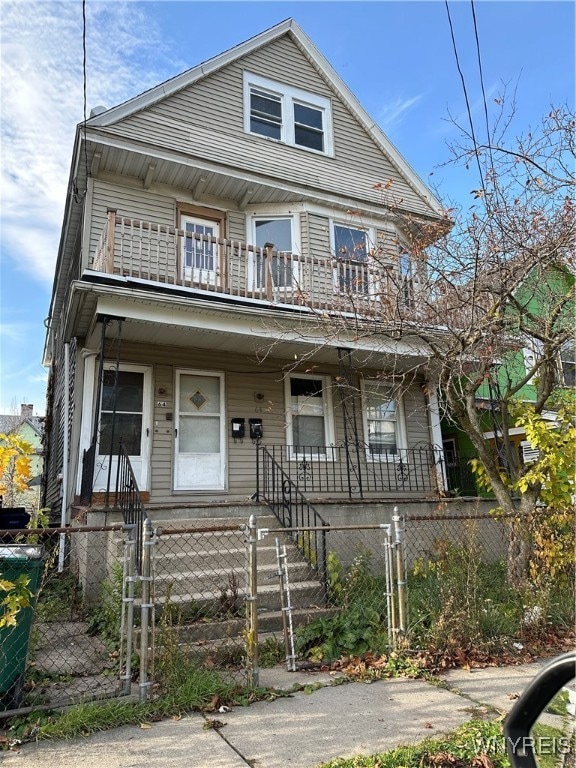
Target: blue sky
{"points": [[396, 57]]}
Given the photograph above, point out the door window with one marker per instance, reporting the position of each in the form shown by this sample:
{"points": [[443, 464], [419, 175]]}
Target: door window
{"points": [[351, 252], [121, 412], [200, 254]]}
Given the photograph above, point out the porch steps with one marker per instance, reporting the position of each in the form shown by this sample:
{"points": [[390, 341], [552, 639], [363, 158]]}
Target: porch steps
{"points": [[204, 577]]}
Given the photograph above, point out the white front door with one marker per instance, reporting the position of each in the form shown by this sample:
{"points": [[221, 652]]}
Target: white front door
{"points": [[200, 258], [199, 431], [124, 415]]}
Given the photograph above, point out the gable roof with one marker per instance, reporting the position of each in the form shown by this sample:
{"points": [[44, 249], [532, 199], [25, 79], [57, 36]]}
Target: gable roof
{"points": [[10, 423], [288, 27]]}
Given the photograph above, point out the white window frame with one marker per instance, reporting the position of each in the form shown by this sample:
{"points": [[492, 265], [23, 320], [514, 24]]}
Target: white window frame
{"points": [[407, 294], [260, 215], [288, 97], [328, 411], [401, 435], [569, 358], [370, 232]]}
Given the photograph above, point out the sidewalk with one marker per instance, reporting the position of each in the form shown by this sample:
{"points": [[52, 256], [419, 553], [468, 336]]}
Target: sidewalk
{"points": [[301, 731]]}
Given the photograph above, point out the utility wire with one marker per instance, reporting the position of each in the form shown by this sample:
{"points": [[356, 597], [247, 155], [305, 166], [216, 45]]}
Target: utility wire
{"points": [[487, 121], [84, 80], [468, 110]]}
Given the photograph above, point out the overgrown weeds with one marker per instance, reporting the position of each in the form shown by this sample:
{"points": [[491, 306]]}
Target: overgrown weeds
{"points": [[105, 618], [476, 744], [358, 625]]}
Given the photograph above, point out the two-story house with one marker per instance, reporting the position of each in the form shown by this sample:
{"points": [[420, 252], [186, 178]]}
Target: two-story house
{"points": [[216, 228]]}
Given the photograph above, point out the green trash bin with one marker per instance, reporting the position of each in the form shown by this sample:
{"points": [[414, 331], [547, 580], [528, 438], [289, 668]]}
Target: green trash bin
{"points": [[15, 560]]}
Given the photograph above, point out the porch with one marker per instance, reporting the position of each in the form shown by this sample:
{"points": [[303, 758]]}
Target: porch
{"points": [[163, 254]]}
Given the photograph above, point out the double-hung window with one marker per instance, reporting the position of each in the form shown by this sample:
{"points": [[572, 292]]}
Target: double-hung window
{"points": [[383, 422], [308, 126], [407, 277], [279, 232], [286, 114], [568, 364], [310, 426], [351, 250], [266, 113]]}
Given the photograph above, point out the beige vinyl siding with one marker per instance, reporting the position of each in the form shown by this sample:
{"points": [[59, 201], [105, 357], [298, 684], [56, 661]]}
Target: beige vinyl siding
{"points": [[236, 226], [130, 202], [243, 381], [318, 242], [201, 119], [238, 265], [416, 414]]}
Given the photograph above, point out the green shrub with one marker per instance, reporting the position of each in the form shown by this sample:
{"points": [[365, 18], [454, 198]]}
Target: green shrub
{"points": [[359, 624]]}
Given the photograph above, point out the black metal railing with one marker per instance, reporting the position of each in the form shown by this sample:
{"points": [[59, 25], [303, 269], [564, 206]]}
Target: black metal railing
{"points": [[129, 502], [87, 481], [460, 478], [293, 510], [354, 472]]}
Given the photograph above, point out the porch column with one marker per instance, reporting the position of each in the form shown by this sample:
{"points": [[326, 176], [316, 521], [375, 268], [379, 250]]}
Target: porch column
{"points": [[436, 437], [110, 232]]}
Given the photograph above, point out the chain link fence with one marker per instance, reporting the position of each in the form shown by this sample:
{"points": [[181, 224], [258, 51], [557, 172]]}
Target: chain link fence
{"points": [[233, 597], [60, 616]]}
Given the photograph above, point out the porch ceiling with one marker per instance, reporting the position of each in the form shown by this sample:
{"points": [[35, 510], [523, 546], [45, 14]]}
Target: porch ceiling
{"points": [[255, 330]]}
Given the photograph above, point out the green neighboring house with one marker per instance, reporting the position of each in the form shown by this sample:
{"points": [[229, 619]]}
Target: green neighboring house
{"points": [[31, 429], [516, 372]]}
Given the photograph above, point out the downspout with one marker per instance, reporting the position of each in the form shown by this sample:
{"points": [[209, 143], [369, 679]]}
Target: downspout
{"points": [[65, 454]]}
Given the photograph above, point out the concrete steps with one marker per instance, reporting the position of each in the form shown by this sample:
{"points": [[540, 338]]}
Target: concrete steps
{"points": [[203, 577]]}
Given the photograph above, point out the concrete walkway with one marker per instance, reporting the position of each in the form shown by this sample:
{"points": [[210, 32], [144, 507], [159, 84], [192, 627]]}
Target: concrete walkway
{"points": [[300, 731]]}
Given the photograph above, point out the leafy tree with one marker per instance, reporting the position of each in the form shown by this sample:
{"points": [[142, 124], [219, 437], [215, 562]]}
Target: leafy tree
{"points": [[15, 467], [483, 285]]}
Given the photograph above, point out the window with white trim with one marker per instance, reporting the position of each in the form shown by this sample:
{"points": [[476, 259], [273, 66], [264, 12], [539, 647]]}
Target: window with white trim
{"points": [[407, 276], [532, 354], [351, 247], [275, 231], [310, 425], [383, 421], [286, 114], [568, 364]]}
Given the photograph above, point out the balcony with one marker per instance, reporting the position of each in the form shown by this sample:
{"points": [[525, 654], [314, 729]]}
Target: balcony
{"points": [[169, 256]]}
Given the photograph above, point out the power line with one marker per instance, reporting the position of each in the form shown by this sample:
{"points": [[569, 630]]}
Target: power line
{"points": [[84, 88], [488, 142], [468, 110]]}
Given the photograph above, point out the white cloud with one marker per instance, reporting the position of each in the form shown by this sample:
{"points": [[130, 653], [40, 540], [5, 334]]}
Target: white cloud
{"points": [[14, 332], [393, 112], [42, 101]]}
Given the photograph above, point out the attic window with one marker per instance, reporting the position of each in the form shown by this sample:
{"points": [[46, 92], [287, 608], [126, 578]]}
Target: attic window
{"points": [[288, 115], [265, 113]]}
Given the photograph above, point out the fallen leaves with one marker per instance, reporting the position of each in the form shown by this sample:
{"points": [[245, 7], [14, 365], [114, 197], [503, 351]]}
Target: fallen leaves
{"points": [[448, 760], [213, 725]]}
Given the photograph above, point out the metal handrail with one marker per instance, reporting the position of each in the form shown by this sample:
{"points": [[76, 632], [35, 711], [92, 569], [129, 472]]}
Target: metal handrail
{"points": [[293, 510], [129, 501]]}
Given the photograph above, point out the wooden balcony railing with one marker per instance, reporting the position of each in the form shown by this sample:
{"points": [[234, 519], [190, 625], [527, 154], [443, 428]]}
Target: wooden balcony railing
{"points": [[172, 256]]}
